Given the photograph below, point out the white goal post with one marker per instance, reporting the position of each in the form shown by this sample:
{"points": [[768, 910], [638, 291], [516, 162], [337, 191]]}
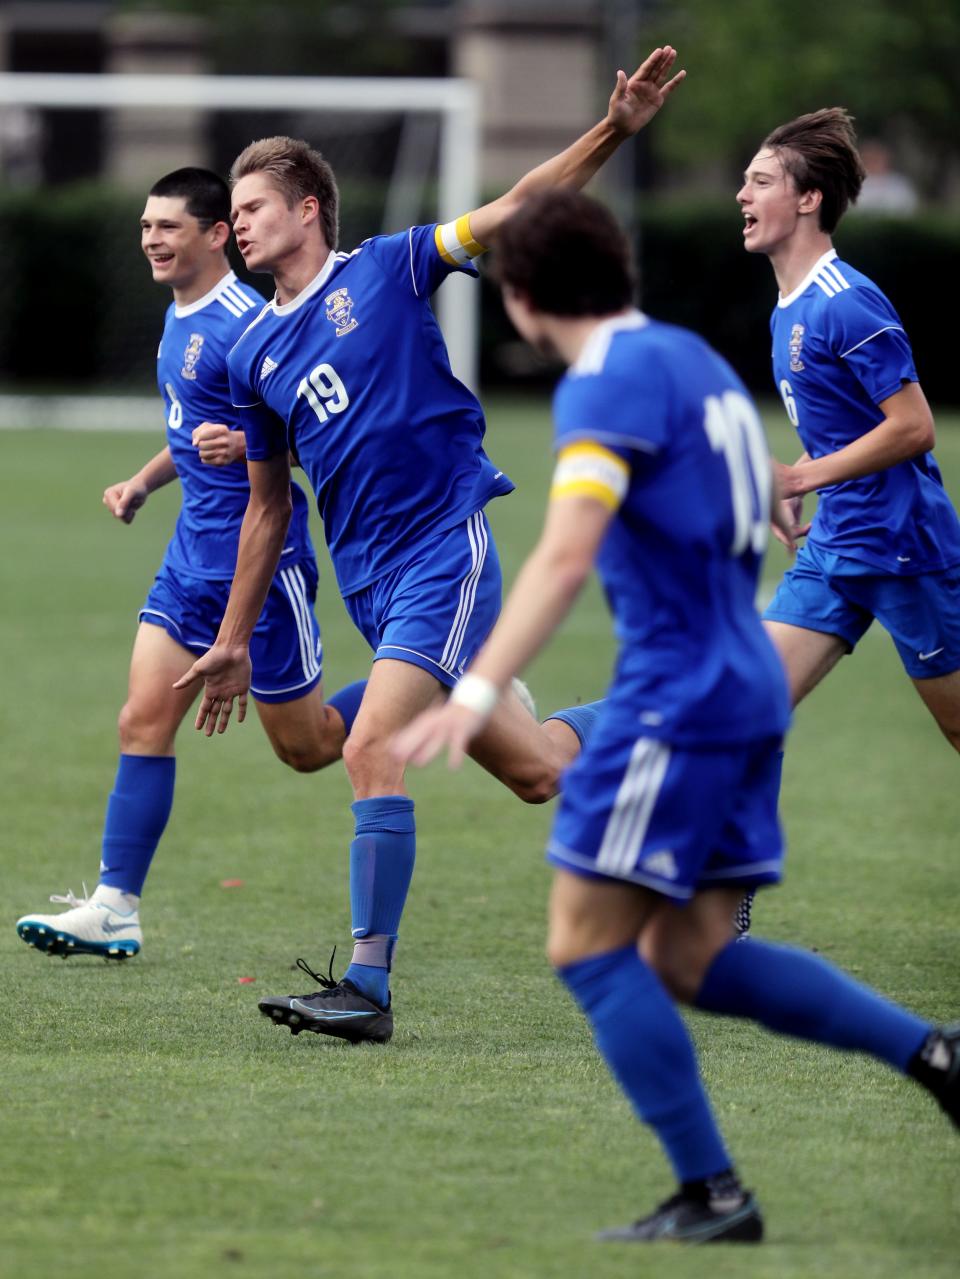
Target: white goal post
{"points": [[454, 101]]}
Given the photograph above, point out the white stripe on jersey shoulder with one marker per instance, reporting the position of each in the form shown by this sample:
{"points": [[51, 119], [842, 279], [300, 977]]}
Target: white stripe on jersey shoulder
{"points": [[887, 328], [226, 287], [594, 354], [264, 311], [820, 274]]}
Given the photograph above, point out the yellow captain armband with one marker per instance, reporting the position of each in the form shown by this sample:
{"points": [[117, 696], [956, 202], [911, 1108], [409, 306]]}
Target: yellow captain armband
{"points": [[590, 470], [455, 243]]}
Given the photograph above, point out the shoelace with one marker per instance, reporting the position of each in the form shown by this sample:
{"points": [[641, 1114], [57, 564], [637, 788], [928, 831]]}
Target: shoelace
{"points": [[70, 900], [328, 982]]}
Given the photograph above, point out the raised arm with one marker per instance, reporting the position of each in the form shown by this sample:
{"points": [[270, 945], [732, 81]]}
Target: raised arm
{"points": [[633, 103], [225, 668], [124, 499]]}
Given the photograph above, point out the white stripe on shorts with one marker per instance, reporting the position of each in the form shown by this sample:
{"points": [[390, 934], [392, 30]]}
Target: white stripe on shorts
{"points": [[633, 807], [477, 533], [296, 590]]}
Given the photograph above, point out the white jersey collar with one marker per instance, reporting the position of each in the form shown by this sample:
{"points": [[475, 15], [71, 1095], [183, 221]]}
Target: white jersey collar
{"points": [[192, 307], [306, 293], [807, 279], [594, 353]]}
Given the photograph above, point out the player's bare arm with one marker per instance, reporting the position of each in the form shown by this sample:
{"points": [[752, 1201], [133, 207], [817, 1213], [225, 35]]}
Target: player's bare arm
{"points": [[124, 499], [906, 431], [225, 668], [218, 444], [634, 102], [543, 594]]}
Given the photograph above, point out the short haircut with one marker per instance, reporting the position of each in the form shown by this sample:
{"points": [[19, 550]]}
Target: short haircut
{"points": [[205, 194], [819, 151], [568, 254], [297, 170]]}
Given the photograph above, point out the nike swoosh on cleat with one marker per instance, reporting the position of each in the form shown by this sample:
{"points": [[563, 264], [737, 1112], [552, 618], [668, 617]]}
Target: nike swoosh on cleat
{"points": [[327, 1014], [109, 928]]}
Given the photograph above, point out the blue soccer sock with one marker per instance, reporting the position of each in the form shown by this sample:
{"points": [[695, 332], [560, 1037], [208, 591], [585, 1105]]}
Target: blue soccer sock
{"points": [[137, 813], [381, 867], [645, 1044], [346, 702], [580, 718], [799, 994]]}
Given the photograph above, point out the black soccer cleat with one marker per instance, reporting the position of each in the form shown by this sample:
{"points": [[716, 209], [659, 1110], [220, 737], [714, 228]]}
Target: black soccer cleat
{"points": [[338, 1009], [684, 1218], [937, 1067]]}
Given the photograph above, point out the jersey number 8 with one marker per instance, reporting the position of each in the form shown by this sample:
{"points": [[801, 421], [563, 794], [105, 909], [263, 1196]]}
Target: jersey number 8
{"points": [[734, 429], [324, 391]]}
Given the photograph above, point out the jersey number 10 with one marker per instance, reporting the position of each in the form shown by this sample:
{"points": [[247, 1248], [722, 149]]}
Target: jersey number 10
{"points": [[734, 429]]}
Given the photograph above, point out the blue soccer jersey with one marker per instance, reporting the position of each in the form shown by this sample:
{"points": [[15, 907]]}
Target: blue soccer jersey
{"points": [[839, 350], [353, 375], [192, 375], [656, 424]]}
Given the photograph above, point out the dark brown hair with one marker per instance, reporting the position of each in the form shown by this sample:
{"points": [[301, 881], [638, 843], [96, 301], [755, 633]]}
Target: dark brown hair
{"points": [[819, 151], [297, 171], [568, 254]]}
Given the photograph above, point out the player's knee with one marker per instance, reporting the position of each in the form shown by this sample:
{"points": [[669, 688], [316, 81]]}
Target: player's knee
{"points": [[536, 787], [305, 757], [370, 763], [142, 729]]}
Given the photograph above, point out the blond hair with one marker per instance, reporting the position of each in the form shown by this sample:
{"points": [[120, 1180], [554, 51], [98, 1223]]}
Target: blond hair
{"points": [[298, 171]]}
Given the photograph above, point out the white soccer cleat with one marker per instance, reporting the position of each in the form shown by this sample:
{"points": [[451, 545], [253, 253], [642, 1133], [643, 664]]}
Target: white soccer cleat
{"points": [[107, 924]]}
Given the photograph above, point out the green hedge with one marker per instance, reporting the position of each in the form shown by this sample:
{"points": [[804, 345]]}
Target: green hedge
{"points": [[78, 308], [694, 271]]}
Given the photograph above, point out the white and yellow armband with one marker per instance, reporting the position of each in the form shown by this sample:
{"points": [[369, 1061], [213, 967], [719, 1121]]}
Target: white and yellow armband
{"points": [[455, 243], [590, 470]]}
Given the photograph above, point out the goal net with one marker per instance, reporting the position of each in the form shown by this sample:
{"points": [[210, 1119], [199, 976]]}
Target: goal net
{"points": [[404, 151]]}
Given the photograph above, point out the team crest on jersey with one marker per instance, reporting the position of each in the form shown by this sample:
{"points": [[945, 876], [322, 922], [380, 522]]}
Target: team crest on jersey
{"points": [[339, 304], [796, 343], [191, 355]]}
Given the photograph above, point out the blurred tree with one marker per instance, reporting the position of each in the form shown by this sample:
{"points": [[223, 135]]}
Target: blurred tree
{"points": [[316, 37], [753, 64]]}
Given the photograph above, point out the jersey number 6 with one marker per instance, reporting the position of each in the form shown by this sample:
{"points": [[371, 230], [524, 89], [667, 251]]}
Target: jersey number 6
{"points": [[324, 391], [734, 429]]}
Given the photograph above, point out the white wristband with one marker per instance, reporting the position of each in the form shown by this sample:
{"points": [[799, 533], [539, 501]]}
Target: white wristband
{"points": [[476, 694]]}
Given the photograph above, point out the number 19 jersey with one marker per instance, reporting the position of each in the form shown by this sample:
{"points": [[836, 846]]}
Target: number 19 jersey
{"points": [[353, 375]]}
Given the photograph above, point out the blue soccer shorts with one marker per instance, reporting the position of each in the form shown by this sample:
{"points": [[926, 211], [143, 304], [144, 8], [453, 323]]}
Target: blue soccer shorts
{"points": [[667, 818], [436, 610], [285, 648], [841, 596]]}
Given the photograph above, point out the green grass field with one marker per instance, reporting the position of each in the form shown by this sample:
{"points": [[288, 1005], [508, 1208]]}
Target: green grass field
{"points": [[153, 1123]]}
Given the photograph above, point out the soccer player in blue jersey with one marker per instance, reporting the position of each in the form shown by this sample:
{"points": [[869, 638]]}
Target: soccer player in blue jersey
{"points": [[184, 232], [885, 540], [347, 366], [663, 481]]}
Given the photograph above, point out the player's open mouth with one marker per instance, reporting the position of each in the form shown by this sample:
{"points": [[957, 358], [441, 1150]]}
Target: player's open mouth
{"points": [[162, 258], [749, 222]]}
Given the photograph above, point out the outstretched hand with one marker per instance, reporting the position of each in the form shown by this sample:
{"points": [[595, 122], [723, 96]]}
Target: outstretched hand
{"points": [[635, 101], [226, 674], [449, 727]]}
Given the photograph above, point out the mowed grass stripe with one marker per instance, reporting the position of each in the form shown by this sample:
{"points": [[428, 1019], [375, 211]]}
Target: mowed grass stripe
{"points": [[153, 1119]]}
